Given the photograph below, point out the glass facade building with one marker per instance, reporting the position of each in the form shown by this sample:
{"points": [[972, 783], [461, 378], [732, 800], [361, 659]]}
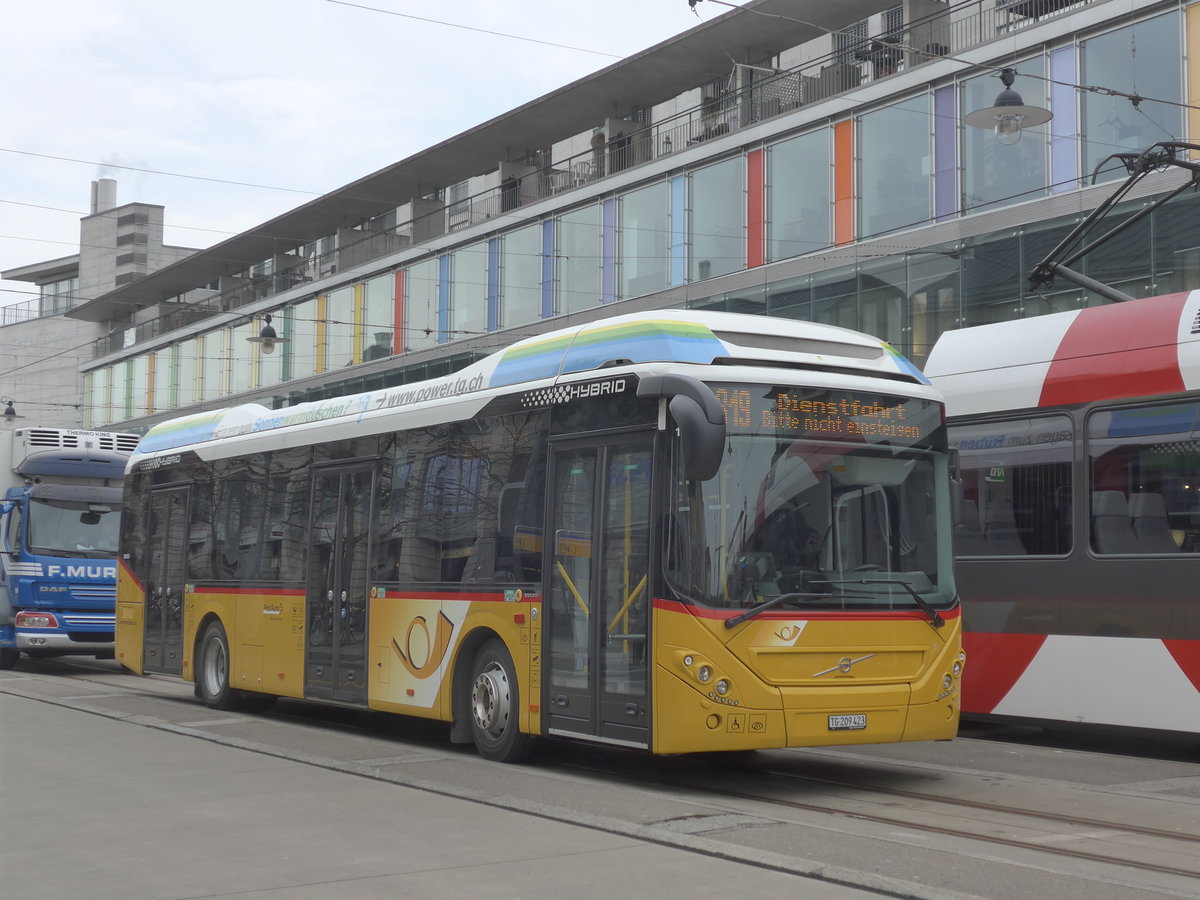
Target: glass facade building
{"points": [[878, 210]]}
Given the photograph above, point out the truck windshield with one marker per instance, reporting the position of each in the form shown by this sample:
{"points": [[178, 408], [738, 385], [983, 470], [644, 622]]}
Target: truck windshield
{"points": [[836, 500], [73, 529]]}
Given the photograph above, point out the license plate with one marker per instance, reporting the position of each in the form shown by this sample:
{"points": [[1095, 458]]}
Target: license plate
{"points": [[856, 722]]}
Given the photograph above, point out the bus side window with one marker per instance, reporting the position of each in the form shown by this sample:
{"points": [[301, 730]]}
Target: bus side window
{"points": [[506, 530]]}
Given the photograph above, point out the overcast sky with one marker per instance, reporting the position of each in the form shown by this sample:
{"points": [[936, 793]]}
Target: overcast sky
{"points": [[230, 112]]}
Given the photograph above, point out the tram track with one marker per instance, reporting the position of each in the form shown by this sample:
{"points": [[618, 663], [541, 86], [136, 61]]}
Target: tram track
{"points": [[1098, 828]]}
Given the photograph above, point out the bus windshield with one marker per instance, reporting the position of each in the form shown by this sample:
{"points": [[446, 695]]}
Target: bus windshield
{"points": [[73, 529], [836, 499]]}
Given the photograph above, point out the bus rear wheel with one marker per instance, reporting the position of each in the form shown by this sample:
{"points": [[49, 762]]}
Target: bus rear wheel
{"points": [[212, 669], [495, 706]]}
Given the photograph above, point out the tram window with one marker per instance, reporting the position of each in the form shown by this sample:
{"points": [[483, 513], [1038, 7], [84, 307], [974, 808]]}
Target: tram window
{"points": [[1016, 487], [1145, 479]]}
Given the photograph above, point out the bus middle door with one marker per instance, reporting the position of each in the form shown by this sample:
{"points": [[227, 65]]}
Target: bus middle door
{"points": [[162, 641], [336, 603], [597, 611]]}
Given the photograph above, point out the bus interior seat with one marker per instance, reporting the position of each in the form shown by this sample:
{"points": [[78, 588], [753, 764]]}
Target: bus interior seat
{"points": [[1000, 529], [1112, 529], [1148, 513]]}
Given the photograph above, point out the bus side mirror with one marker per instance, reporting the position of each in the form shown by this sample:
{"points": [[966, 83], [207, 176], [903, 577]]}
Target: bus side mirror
{"points": [[702, 443], [700, 418]]}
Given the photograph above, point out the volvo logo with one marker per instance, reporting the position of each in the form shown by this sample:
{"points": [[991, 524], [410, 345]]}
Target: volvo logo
{"points": [[845, 664]]}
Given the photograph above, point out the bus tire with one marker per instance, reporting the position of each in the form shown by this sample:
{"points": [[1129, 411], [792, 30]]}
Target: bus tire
{"points": [[9, 657], [495, 706], [212, 669]]}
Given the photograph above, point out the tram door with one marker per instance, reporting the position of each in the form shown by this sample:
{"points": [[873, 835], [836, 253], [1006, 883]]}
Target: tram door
{"points": [[336, 604], [596, 659], [162, 642]]}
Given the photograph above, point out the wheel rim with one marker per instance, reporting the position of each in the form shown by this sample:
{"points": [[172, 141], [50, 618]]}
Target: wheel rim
{"points": [[491, 701], [215, 667]]}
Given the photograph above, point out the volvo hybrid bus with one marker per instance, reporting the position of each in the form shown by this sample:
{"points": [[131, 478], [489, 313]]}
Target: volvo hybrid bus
{"points": [[673, 531]]}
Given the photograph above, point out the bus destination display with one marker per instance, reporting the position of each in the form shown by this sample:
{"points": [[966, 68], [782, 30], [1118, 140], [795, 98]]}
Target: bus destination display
{"points": [[816, 413]]}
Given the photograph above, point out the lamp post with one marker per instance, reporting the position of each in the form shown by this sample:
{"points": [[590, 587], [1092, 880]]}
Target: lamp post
{"points": [[10, 409], [1008, 115]]}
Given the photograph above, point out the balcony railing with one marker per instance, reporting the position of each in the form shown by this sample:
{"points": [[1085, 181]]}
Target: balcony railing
{"points": [[960, 27], [20, 312]]}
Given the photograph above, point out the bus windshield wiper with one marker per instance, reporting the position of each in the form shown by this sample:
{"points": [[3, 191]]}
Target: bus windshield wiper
{"points": [[935, 617], [769, 603]]}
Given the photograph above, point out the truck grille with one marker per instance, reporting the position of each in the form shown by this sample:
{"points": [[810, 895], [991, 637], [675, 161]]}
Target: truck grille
{"points": [[89, 620], [94, 592]]}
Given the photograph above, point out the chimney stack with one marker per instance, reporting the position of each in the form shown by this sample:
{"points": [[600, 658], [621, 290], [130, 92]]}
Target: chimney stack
{"points": [[104, 195]]}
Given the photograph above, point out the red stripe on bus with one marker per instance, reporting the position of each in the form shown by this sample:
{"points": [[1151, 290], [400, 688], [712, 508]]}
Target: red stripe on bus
{"points": [[129, 574], [994, 664], [1187, 656], [393, 594], [258, 592], [1121, 350], [701, 612], [398, 594]]}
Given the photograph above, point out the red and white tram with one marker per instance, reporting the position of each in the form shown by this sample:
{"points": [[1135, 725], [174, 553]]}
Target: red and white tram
{"points": [[1078, 531]]}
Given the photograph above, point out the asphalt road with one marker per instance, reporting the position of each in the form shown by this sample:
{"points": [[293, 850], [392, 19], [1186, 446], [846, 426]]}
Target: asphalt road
{"points": [[127, 787]]}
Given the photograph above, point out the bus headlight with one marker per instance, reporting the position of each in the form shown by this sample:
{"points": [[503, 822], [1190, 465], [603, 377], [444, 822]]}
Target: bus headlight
{"points": [[947, 683], [957, 668], [722, 687], [704, 673]]}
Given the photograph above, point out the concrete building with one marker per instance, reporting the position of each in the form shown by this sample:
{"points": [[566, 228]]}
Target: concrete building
{"points": [[825, 171], [45, 346]]}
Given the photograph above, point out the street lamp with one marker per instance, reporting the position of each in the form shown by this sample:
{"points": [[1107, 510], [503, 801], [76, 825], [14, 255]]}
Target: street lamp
{"points": [[10, 409], [267, 337], [1009, 114]]}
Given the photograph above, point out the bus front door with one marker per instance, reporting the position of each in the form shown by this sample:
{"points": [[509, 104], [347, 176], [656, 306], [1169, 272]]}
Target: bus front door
{"points": [[595, 634], [336, 603], [162, 642]]}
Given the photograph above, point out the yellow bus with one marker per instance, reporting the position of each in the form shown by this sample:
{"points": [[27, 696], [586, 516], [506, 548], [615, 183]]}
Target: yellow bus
{"points": [[673, 531]]}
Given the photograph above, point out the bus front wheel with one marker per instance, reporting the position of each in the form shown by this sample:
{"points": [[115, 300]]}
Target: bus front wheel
{"points": [[495, 706], [212, 671]]}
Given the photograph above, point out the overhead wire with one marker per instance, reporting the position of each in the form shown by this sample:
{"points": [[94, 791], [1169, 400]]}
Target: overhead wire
{"points": [[490, 32]]}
